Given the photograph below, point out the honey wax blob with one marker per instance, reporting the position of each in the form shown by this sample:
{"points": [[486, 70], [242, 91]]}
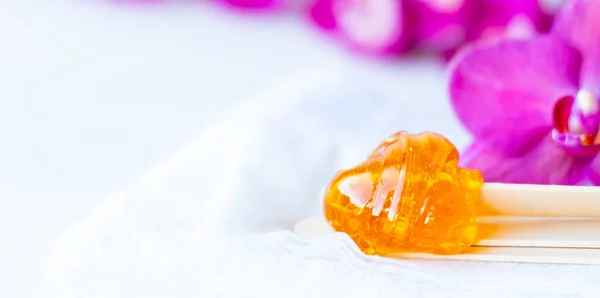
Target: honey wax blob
{"points": [[409, 195]]}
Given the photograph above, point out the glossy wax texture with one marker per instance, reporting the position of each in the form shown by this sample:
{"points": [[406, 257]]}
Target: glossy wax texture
{"points": [[408, 195]]}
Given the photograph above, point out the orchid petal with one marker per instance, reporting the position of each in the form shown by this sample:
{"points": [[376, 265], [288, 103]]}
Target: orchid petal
{"points": [[321, 12], [579, 24], [440, 25], [373, 26], [504, 92], [593, 171], [252, 4], [546, 163], [509, 18]]}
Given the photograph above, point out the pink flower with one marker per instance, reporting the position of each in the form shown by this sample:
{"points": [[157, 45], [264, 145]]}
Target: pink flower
{"points": [[387, 27], [321, 13], [370, 26], [441, 25], [532, 104], [495, 19], [253, 4], [396, 26], [512, 18]]}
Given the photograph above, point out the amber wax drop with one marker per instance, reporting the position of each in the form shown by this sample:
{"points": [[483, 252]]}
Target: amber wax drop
{"points": [[408, 195]]}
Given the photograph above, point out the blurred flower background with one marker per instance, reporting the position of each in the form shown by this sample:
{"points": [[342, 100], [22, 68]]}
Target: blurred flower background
{"points": [[438, 27], [395, 27]]}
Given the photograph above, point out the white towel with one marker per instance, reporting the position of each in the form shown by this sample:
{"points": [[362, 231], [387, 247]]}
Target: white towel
{"points": [[214, 219]]}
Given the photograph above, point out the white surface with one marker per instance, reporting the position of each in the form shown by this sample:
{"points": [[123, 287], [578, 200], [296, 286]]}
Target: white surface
{"points": [[93, 94], [215, 219]]}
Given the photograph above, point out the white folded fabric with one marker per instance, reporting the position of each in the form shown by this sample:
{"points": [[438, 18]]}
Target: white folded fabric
{"points": [[214, 219]]}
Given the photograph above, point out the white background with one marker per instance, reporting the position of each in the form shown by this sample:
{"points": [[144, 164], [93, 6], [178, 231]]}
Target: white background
{"points": [[92, 94]]}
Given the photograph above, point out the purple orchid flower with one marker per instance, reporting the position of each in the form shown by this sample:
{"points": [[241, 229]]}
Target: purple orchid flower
{"points": [[442, 25], [321, 13], [368, 26], [253, 4], [532, 104], [391, 27], [438, 26], [508, 18], [498, 19]]}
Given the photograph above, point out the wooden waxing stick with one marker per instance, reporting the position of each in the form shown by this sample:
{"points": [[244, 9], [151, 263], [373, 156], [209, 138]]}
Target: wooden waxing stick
{"points": [[528, 200], [570, 216]]}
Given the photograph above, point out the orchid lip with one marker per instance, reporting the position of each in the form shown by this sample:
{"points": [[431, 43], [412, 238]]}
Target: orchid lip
{"points": [[574, 145], [577, 123]]}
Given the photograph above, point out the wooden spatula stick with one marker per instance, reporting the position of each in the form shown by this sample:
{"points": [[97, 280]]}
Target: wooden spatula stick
{"points": [[527, 200]]}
